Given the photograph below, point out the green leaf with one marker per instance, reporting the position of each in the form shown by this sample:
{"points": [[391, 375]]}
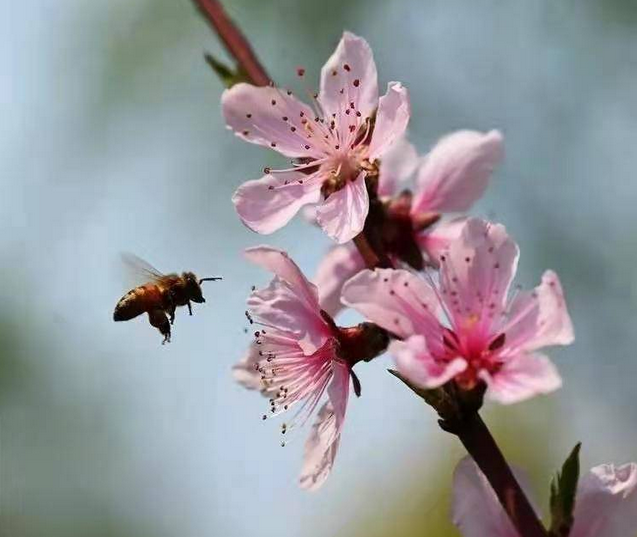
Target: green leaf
{"points": [[563, 491], [228, 76]]}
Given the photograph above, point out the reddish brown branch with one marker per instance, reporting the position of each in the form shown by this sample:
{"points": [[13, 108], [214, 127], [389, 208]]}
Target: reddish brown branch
{"points": [[476, 438], [234, 41]]}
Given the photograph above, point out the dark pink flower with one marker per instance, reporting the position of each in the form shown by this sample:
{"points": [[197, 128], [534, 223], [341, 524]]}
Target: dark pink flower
{"points": [[294, 361], [605, 504], [464, 326], [335, 145]]}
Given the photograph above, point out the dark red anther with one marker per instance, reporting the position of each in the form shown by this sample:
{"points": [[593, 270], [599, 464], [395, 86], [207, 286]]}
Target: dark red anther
{"points": [[498, 342], [450, 340]]}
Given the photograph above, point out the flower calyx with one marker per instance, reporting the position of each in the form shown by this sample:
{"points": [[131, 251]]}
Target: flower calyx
{"points": [[400, 228], [360, 343]]}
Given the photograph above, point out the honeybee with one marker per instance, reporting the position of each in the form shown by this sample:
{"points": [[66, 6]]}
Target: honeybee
{"points": [[159, 296]]}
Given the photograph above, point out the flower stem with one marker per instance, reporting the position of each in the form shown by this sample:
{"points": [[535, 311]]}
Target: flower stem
{"points": [[234, 41], [478, 441], [471, 430]]}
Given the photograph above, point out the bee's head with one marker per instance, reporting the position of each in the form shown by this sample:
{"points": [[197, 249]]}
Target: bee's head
{"points": [[193, 286]]}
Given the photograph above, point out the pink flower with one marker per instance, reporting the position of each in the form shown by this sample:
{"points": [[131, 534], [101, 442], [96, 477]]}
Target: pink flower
{"points": [[605, 505], [294, 360], [335, 145], [449, 179], [463, 326]]}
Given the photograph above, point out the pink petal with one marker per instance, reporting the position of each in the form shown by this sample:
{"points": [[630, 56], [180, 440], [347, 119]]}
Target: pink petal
{"points": [[297, 311], [322, 444], [392, 118], [397, 300], [339, 264], [249, 111], [476, 510], [521, 377], [456, 171], [279, 262], [308, 213], [342, 215], [397, 165], [434, 242], [267, 204], [338, 391], [555, 326], [476, 272], [539, 319], [415, 362], [355, 53], [606, 502], [244, 371]]}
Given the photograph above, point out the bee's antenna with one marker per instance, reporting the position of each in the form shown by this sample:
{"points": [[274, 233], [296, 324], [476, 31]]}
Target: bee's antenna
{"points": [[214, 279]]}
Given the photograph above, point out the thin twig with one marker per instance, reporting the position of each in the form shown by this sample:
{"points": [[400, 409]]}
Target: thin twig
{"points": [[234, 41]]}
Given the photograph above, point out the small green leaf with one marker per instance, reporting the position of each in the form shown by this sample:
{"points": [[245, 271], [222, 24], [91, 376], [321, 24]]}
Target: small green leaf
{"points": [[228, 76], [563, 491]]}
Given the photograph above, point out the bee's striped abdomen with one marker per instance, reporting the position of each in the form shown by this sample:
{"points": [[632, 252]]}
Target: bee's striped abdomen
{"points": [[137, 301]]}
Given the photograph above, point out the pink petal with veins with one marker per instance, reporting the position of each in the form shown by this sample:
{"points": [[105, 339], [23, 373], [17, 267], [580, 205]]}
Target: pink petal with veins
{"points": [[392, 118], [434, 242], [290, 301], [476, 272], [351, 61], [540, 318], [415, 362], [267, 116], [397, 165], [322, 444], [456, 171], [267, 204], [342, 215], [397, 300], [339, 265], [521, 377]]}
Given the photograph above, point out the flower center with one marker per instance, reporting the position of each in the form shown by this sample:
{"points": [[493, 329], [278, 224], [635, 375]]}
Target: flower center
{"points": [[342, 168], [479, 357]]}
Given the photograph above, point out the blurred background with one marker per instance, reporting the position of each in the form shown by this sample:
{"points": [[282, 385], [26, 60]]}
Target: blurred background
{"points": [[111, 140]]}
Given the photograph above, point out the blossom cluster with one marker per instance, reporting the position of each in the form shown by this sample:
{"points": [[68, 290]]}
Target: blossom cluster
{"points": [[442, 304]]}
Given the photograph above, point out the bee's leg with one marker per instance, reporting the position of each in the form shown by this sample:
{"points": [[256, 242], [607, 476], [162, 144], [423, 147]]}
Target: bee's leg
{"points": [[169, 304], [189, 308], [159, 320]]}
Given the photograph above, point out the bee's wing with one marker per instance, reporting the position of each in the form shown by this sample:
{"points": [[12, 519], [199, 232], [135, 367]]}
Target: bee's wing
{"points": [[138, 272]]}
